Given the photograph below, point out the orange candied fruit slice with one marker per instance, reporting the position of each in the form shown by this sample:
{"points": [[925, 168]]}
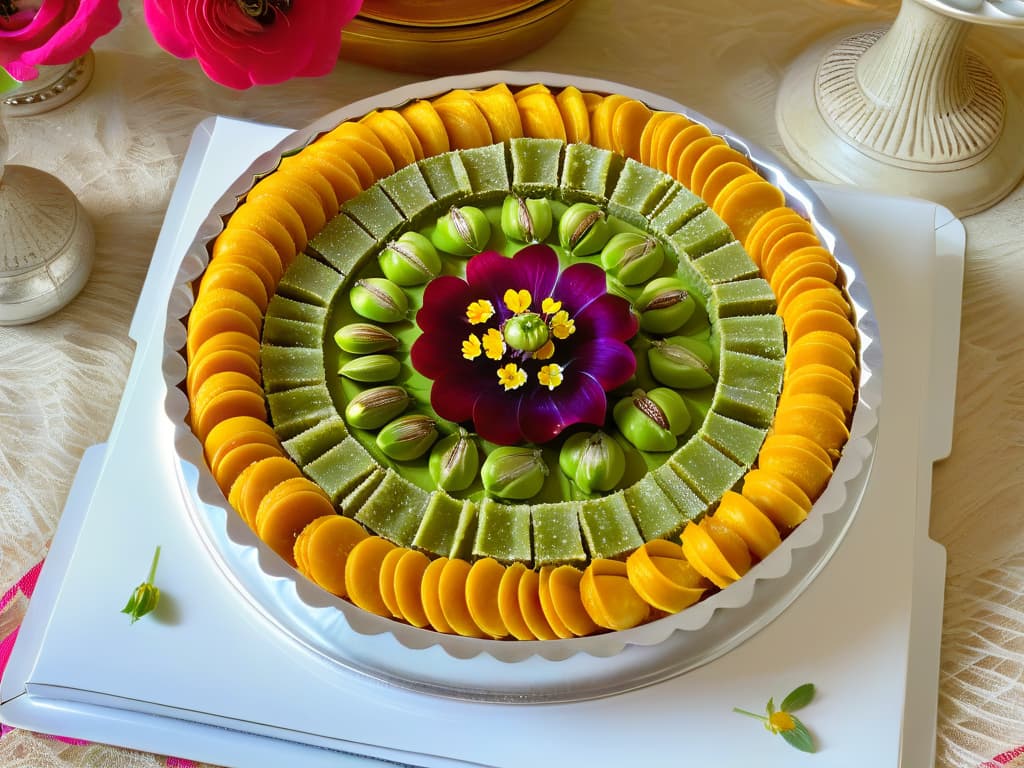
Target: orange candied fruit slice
{"points": [[300, 196], [777, 496], [508, 603], [362, 574], [627, 128], [744, 206], [430, 595], [743, 518], [388, 591], [463, 121], [499, 108], [286, 510], [452, 593], [662, 576], [601, 120], [427, 125], [547, 605], [256, 481], [482, 585], [575, 115], [237, 459], [328, 549], [528, 593], [408, 580], [564, 591], [401, 143], [609, 598]]}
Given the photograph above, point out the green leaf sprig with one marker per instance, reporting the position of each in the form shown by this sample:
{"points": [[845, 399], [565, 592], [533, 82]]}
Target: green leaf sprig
{"points": [[783, 722], [146, 596]]}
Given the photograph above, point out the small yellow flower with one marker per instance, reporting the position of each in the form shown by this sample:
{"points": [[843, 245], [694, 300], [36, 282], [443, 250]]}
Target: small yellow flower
{"points": [[562, 326], [549, 306], [518, 301], [545, 352], [480, 311], [494, 344], [780, 722], [511, 376], [471, 347], [550, 376]]}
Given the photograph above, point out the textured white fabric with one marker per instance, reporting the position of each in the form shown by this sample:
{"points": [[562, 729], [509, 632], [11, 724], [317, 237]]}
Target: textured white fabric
{"points": [[119, 145]]}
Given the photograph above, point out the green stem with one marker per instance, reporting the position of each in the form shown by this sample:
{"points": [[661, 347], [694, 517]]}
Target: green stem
{"points": [[152, 568], [739, 711]]}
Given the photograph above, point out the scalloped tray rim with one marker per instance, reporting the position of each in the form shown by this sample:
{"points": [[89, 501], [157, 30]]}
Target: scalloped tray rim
{"points": [[298, 606]]}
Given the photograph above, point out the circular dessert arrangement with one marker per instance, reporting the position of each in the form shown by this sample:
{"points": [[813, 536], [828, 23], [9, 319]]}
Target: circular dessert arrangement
{"points": [[521, 363]]}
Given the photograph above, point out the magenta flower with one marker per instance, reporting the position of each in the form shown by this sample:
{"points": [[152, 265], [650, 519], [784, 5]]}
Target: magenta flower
{"points": [[522, 350], [241, 43], [44, 32]]}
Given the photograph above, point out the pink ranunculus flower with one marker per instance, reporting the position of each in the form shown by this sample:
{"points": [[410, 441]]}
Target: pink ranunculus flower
{"points": [[44, 32], [241, 43]]}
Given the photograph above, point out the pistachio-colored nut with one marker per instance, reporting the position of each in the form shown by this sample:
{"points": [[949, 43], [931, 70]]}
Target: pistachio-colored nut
{"points": [[632, 257], [583, 229], [455, 461], [371, 368], [593, 460], [642, 377], [514, 472], [373, 408], [681, 362], [462, 231], [527, 220], [380, 299], [652, 420], [365, 338], [664, 305], [407, 437], [410, 260]]}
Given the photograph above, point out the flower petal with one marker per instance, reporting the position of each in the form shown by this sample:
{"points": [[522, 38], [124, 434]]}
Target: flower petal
{"points": [[434, 355], [444, 305], [579, 285], [609, 361], [496, 416], [608, 316], [533, 268], [545, 413], [454, 394]]}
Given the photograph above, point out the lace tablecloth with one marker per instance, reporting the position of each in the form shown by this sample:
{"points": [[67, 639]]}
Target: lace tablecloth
{"points": [[119, 146]]}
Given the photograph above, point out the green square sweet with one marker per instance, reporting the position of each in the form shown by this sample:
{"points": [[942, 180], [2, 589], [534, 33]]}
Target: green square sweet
{"points": [[689, 504], [446, 177], [637, 192], [394, 510], [701, 234], [343, 244], [536, 164], [295, 410], [503, 532], [353, 501], [741, 297], [589, 173], [375, 212], [706, 469], [409, 192], [751, 406], [487, 169], [287, 367], [753, 334], [316, 441], [655, 514], [309, 280], [676, 208], [740, 442], [341, 468], [290, 309], [608, 526], [292, 333], [739, 369], [727, 263], [436, 533], [557, 539], [465, 531]]}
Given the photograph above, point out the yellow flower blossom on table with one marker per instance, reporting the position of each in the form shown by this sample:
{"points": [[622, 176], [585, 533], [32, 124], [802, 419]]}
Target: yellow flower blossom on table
{"points": [[471, 348], [480, 311], [494, 344], [550, 375], [779, 720], [511, 376], [562, 326], [517, 301]]}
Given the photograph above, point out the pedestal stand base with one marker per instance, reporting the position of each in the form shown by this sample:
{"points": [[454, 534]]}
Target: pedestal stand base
{"points": [[56, 85], [826, 152]]}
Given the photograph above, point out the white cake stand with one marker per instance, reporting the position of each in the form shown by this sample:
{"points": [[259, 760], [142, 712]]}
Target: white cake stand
{"points": [[909, 110]]}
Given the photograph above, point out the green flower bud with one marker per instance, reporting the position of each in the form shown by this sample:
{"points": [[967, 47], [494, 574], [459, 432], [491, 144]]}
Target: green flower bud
{"points": [[583, 229], [373, 408], [364, 338], [410, 260], [652, 420], [377, 298], [146, 596], [407, 437], [371, 368], [526, 332], [454, 462], [514, 472], [526, 220], [593, 460], [632, 257], [681, 362], [462, 231], [664, 305]]}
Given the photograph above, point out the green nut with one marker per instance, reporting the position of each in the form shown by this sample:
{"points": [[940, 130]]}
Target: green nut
{"points": [[593, 460], [632, 257], [407, 437], [365, 338], [380, 299], [527, 220], [373, 408], [455, 462], [664, 305], [681, 362], [371, 368], [410, 260], [583, 229], [514, 472], [526, 332], [462, 231], [652, 420]]}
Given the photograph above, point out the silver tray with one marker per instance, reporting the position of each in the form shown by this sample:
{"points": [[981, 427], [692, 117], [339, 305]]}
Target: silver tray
{"points": [[521, 671]]}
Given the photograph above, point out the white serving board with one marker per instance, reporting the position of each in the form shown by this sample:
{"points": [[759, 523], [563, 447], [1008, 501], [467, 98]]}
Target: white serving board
{"points": [[207, 677]]}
